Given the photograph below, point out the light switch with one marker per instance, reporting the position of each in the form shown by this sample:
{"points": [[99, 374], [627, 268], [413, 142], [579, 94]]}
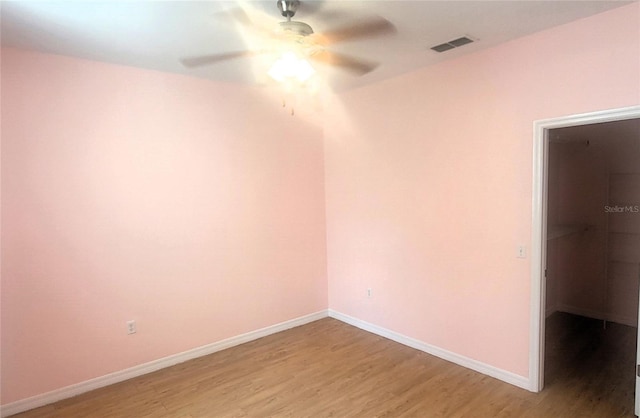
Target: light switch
{"points": [[522, 251]]}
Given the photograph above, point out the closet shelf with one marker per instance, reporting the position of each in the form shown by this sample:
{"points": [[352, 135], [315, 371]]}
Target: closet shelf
{"points": [[557, 231], [623, 262]]}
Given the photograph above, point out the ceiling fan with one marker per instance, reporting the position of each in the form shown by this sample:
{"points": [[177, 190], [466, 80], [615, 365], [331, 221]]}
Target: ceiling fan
{"points": [[296, 42]]}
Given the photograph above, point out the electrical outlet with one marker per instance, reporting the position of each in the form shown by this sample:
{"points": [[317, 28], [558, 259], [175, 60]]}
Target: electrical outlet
{"points": [[132, 328], [369, 292]]}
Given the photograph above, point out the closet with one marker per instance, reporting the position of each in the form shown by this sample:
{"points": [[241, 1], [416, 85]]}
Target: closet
{"points": [[593, 248], [623, 247], [593, 258]]}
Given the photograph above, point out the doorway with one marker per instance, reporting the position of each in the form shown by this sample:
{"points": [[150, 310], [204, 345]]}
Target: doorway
{"points": [[543, 131], [593, 260]]}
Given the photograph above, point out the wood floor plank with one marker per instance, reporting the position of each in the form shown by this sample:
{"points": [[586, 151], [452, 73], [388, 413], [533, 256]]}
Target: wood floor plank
{"points": [[330, 369]]}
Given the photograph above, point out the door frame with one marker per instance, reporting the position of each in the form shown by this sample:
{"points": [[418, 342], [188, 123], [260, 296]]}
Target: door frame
{"points": [[539, 226]]}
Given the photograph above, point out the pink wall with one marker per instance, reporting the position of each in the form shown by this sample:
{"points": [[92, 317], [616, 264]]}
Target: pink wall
{"points": [[429, 183], [195, 208]]}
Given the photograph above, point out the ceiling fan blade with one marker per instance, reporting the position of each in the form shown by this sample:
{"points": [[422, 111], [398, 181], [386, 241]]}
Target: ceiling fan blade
{"points": [[352, 64], [366, 29], [191, 62], [239, 15], [313, 7]]}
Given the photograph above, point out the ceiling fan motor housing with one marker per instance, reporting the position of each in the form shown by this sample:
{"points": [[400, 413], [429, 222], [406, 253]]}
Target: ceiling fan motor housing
{"points": [[288, 8]]}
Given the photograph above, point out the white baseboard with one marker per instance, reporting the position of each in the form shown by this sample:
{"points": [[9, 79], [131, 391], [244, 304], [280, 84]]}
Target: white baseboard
{"points": [[102, 381], [589, 313], [550, 310], [463, 361], [574, 310], [142, 369]]}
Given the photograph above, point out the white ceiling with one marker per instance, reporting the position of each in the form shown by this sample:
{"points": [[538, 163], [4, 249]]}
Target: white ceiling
{"points": [[156, 34]]}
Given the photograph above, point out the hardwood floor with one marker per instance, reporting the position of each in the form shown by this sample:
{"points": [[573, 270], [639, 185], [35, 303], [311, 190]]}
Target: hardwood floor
{"points": [[330, 369], [592, 364]]}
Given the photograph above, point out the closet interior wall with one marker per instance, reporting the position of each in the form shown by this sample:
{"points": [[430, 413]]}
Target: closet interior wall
{"points": [[593, 251]]}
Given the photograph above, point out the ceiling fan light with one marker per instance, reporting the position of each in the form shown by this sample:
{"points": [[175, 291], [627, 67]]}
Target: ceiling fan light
{"points": [[291, 67]]}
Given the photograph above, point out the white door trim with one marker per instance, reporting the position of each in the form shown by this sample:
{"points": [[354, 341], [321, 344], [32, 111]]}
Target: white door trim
{"points": [[539, 226]]}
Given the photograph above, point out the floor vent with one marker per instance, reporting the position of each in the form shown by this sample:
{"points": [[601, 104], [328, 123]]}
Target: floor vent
{"points": [[452, 44]]}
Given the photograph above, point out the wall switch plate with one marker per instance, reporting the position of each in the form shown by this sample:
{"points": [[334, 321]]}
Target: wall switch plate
{"points": [[132, 328], [522, 251]]}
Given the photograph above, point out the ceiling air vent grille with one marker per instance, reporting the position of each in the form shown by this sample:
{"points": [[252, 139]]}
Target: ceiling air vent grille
{"points": [[452, 44]]}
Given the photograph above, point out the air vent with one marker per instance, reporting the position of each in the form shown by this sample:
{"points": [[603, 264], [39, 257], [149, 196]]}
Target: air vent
{"points": [[452, 44]]}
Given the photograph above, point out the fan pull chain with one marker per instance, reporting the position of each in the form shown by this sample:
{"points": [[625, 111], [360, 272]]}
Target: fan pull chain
{"points": [[284, 104]]}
